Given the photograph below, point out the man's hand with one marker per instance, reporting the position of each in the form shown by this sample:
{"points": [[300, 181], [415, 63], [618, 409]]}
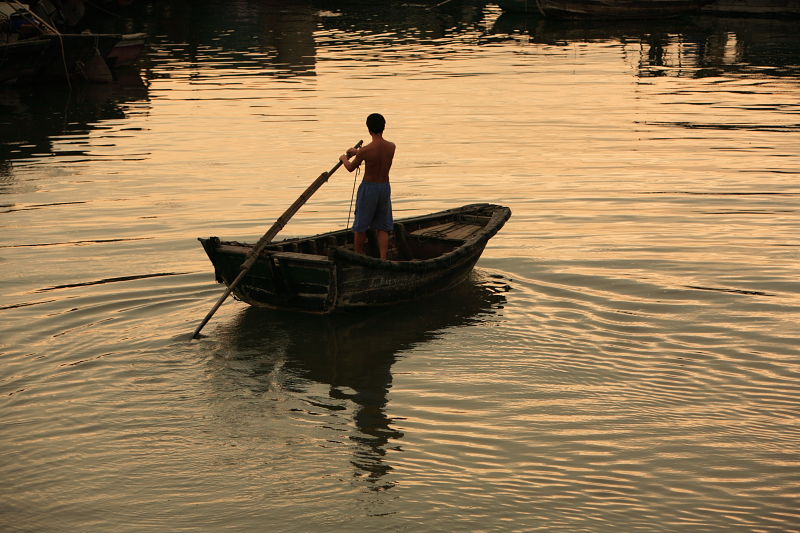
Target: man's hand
{"points": [[345, 159]]}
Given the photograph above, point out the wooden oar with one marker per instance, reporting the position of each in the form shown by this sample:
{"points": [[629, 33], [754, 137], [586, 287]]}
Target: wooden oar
{"points": [[268, 236]]}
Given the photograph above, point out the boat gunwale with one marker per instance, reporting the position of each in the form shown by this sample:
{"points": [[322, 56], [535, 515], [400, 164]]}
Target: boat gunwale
{"points": [[499, 216], [478, 240]]}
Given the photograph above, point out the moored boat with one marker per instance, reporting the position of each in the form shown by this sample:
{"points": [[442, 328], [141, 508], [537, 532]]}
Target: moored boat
{"points": [[78, 56], [616, 9], [21, 60], [322, 273], [518, 6], [127, 50], [757, 8], [33, 50]]}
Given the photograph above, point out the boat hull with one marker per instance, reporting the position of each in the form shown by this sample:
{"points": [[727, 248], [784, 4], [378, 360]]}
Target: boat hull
{"points": [[322, 274], [21, 60], [611, 9], [363, 286], [56, 57], [758, 8], [127, 51]]}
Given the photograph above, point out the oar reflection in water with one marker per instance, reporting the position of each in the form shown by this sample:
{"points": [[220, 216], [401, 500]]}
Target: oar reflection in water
{"points": [[351, 353]]}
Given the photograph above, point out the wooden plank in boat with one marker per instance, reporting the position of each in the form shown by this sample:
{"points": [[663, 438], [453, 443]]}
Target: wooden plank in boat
{"points": [[437, 230], [301, 257], [297, 256], [233, 249], [449, 230], [464, 231]]}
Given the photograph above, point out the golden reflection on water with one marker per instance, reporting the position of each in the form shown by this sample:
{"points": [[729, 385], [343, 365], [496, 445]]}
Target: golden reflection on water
{"points": [[624, 358]]}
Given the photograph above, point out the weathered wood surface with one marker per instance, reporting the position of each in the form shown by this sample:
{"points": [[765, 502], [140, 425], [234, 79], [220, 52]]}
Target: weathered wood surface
{"points": [[450, 230]]}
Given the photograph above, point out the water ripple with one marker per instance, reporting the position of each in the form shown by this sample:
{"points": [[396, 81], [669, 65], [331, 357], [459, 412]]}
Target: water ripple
{"points": [[624, 358]]}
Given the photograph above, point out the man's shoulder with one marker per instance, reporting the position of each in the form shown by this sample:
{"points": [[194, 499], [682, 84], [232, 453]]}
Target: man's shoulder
{"points": [[377, 148]]}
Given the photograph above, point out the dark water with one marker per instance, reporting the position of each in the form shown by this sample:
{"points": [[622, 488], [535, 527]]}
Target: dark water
{"points": [[625, 357]]}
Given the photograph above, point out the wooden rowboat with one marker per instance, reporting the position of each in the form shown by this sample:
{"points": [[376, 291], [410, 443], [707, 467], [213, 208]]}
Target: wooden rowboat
{"points": [[322, 273]]}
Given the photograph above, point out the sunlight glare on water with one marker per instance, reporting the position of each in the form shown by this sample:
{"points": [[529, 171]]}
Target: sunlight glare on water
{"points": [[624, 357]]}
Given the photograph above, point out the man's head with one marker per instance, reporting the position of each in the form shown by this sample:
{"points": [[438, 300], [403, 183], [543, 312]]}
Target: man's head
{"points": [[376, 123]]}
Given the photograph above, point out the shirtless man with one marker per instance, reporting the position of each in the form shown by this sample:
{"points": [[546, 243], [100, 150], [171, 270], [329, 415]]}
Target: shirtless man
{"points": [[374, 199]]}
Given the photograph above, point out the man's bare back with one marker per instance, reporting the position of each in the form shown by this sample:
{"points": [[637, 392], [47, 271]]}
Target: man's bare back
{"points": [[377, 156]]}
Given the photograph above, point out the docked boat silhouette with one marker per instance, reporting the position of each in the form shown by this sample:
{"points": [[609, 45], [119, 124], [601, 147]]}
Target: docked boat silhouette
{"points": [[33, 50], [616, 9]]}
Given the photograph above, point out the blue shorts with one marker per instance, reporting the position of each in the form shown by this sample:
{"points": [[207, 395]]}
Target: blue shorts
{"points": [[373, 207]]}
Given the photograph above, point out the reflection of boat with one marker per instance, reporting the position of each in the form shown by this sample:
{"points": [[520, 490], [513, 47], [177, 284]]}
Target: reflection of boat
{"points": [[272, 37], [337, 349], [350, 353], [616, 9], [754, 7], [31, 117], [322, 273], [519, 6], [748, 47], [697, 46], [555, 31]]}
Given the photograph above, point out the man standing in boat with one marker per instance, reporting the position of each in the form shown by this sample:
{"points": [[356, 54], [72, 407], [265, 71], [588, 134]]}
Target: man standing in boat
{"points": [[374, 199]]}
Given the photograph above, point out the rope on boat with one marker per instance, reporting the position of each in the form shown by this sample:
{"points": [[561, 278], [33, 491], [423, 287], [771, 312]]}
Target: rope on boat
{"points": [[53, 30], [352, 194]]}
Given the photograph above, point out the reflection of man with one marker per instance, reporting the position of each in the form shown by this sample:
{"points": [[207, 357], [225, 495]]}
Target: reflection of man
{"points": [[374, 199]]}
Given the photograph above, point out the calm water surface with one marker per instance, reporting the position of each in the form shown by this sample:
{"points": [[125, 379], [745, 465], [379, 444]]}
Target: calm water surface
{"points": [[625, 358]]}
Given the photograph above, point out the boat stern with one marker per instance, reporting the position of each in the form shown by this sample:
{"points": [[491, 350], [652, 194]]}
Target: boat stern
{"points": [[278, 279]]}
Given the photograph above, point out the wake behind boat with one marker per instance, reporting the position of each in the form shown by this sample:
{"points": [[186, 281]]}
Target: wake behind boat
{"points": [[321, 274]]}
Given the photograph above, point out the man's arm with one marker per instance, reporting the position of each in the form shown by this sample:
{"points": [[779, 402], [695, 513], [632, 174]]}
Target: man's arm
{"points": [[345, 159]]}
